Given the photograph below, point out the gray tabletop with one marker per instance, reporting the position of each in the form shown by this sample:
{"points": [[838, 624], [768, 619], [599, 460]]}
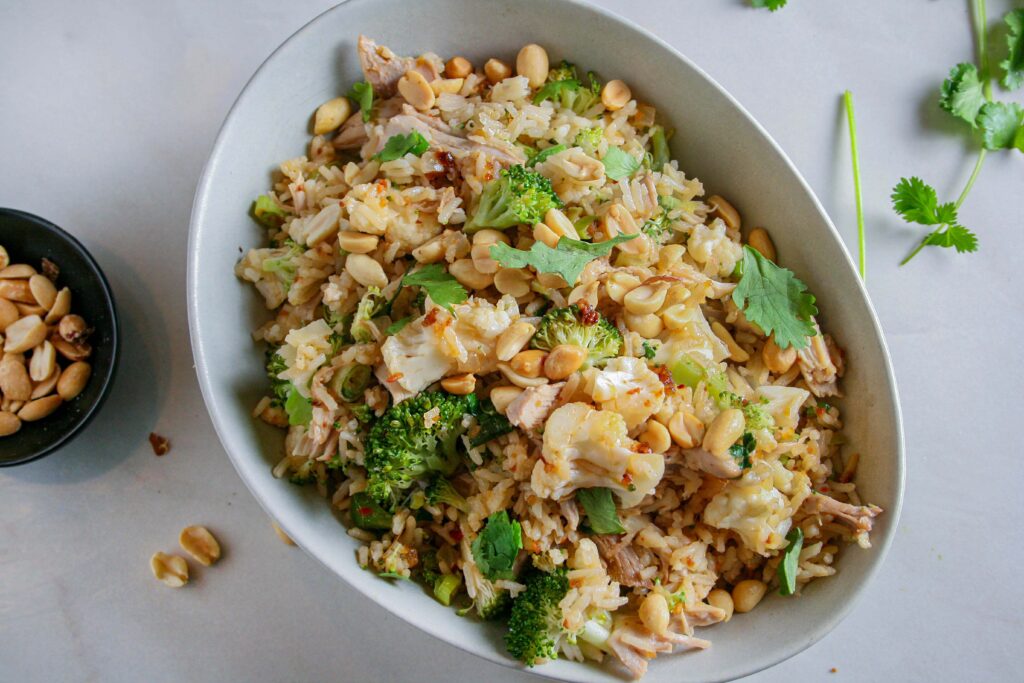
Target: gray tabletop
{"points": [[107, 113]]}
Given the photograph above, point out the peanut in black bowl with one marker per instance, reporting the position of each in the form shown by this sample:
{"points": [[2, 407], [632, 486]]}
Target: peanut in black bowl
{"points": [[29, 239]]}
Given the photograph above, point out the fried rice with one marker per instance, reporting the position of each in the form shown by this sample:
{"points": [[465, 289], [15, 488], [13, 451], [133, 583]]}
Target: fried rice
{"points": [[703, 525]]}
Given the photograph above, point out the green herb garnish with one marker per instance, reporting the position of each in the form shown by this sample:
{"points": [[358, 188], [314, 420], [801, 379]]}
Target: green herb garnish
{"points": [[361, 94], [619, 164], [600, 509], [496, 548], [398, 146], [775, 300], [568, 258], [442, 287], [790, 559]]}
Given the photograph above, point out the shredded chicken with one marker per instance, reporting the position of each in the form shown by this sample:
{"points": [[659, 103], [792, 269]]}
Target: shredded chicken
{"points": [[703, 614], [703, 461], [382, 67], [623, 563], [857, 517], [633, 644], [442, 137], [531, 408], [816, 365]]}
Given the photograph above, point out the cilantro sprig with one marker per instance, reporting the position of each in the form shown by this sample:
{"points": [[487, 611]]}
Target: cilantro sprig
{"points": [[568, 258], [772, 5], [442, 287], [775, 300], [967, 95], [399, 145], [496, 548], [361, 94], [858, 196], [599, 507]]}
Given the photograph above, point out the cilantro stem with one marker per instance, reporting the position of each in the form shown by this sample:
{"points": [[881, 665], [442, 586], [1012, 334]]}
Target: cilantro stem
{"points": [[980, 20], [981, 38], [960, 200], [862, 256]]}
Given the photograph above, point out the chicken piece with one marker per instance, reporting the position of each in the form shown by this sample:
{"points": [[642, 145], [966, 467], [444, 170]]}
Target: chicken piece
{"points": [[633, 644], [857, 517], [623, 563], [585, 448], [703, 614], [703, 461], [529, 410], [382, 67], [816, 365], [441, 136]]}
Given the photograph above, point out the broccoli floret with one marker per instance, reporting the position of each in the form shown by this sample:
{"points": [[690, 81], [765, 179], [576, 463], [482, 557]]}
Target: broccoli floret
{"points": [[279, 388], [491, 602], [268, 212], [568, 326], [516, 196], [304, 474], [401, 448], [490, 425], [757, 416], [440, 490], [564, 71], [589, 139], [535, 625], [282, 264]]}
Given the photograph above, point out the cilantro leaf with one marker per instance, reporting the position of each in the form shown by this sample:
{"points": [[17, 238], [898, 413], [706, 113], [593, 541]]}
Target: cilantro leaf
{"points": [[741, 450], [568, 258], [1013, 65], [650, 351], [496, 548], [787, 570], [553, 89], [768, 4], [600, 508], [619, 164], [298, 407], [396, 327], [916, 201], [1018, 140], [962, 95], [956, 236], [398, 146], [492, 424], [544, 154], [775, 300], [999, 123], [361, 93], [442, 287]]}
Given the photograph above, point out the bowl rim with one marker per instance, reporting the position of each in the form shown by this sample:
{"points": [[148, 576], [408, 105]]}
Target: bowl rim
{"points": [[108, 298], [798, 645]]}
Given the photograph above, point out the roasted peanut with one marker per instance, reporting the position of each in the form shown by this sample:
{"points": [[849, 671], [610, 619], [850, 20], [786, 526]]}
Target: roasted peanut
{"points": [[17, 271], [762, 242], [172, 570], [564, 360], [43, 290], [502, 396], [357, 242], [528, 363], [736, 352], [14, 380], [44, 360], [720, 208], [458, 67], [73, 380], [747, 594], [723, 431], [331, 114], [39, 408], [61, 307], [654, 613], [198, 542], [513, 281], [460, 385], [511, 341], [532, 62], [466, 273], [722, 600], [615, 95], [414, 88], [8, 314], [9, 423], [365, 270], [496, 70], [656, 436]]}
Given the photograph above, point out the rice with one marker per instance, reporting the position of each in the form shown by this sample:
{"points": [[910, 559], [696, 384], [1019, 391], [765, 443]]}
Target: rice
{"points": [[344, 354]]}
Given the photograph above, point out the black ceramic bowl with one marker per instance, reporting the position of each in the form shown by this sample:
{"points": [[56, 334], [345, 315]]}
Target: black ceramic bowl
{"points": [[28, 239]]}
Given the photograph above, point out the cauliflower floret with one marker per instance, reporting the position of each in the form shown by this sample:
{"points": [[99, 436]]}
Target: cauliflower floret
{"points": [[414, 358], [694, 337], [305, 349], [759, 506], [478, 324], [438, 343], [628, 387], [585, 448], [711, 248], [784, 404]]}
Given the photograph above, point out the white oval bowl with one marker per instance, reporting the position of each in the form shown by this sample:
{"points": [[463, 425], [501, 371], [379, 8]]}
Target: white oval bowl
{"points": [[716, 140]]}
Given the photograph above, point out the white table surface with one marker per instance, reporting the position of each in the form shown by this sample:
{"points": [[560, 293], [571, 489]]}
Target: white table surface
{"points": [[107, 113]]}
